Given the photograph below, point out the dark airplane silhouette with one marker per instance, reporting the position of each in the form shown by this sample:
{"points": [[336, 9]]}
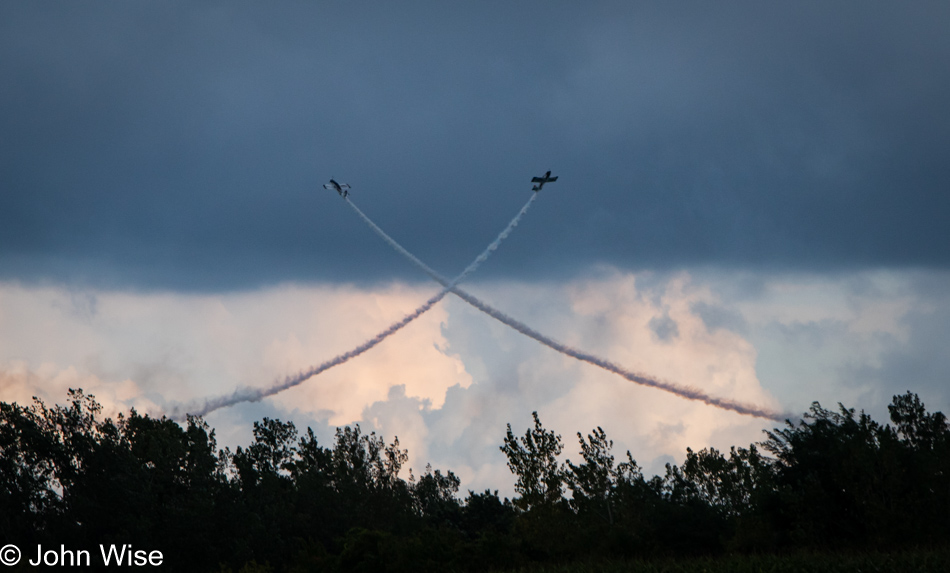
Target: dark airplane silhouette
{"points": [[542, 180], [342, 188]]}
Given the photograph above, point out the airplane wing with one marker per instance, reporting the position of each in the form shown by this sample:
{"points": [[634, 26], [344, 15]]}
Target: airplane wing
{"points": [[537, 179], [344, 186], [327, 186], [552, 179]]}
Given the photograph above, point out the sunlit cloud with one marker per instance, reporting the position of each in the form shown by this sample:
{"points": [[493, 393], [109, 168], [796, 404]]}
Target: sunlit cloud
{"points": [[21, 385], [447, 384]]}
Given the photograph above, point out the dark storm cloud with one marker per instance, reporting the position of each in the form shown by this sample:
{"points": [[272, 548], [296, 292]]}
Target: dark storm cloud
{"points": [[183, 144]]}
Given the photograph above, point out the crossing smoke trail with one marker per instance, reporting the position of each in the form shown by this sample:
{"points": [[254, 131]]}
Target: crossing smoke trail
{"points": [[689, 393], [256, 394]]}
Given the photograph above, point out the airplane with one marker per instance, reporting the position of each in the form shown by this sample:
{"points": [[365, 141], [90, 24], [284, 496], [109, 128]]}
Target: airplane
{"points": [[542, 180], [342, 188]]}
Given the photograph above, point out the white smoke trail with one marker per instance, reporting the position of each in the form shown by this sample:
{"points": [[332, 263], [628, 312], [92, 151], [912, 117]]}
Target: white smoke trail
{"points": [[689, 393], [255, 394]]}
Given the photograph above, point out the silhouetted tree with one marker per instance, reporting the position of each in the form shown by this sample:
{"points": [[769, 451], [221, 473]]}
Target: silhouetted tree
{"points": [[28, 487], [436, 495], [533, 460], [835, 479], [593, 483]]}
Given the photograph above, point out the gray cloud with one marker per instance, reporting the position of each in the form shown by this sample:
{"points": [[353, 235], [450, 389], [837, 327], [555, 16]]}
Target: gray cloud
{"points": [[177, 145], [920, 363], [718, 316], [664, 327]]}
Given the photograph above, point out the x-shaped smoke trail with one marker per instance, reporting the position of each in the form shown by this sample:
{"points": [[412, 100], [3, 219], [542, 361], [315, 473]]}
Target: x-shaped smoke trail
{"points": [[690, 393], [209, 405]]}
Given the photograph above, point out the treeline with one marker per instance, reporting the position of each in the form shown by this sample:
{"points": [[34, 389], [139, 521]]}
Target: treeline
{"points": [[835, 481]]}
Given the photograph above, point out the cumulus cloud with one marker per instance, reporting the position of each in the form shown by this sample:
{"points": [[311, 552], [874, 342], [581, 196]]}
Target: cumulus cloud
{"points": [[447, 384], [182, 347], [21, 385], [856, 338], [611, 317]]}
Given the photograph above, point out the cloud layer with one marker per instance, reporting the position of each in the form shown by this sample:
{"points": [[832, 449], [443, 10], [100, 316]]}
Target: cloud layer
{"points": [[189, 154], [448, 383]]}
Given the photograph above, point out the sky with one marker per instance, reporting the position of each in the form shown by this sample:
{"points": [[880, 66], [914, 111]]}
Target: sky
{"points": [[751, 201]]}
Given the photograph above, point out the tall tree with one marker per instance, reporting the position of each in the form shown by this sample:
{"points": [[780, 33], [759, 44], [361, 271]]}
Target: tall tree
{"points": [[533, 459], [594, 482]]}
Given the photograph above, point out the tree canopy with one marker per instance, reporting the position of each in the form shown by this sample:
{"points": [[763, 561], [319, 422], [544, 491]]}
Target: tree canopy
{"points": [[835, 480]]}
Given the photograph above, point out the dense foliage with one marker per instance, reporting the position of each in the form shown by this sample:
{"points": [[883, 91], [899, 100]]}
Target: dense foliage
{"points": [[836, 481]]}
